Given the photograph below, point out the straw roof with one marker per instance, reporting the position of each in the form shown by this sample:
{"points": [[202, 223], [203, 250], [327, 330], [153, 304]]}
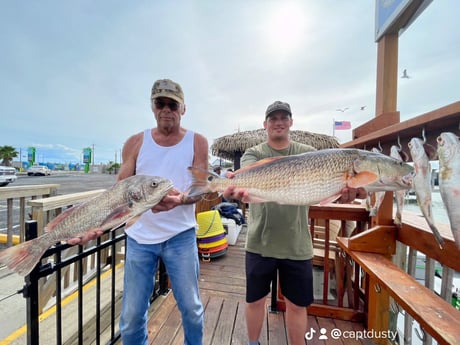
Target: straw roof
{"points": [[233, 146]]}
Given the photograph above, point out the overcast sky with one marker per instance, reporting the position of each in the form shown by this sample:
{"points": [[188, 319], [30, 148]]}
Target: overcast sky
{"points": [[75, 74]]}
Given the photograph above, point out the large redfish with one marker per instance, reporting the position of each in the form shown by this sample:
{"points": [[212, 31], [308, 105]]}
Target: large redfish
{"points": [[449, 179], [310, 178], [421, 154], [124, 201]]}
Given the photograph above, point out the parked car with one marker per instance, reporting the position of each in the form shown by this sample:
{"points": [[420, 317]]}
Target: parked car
{"points": [[38, 170], [7, 175]]}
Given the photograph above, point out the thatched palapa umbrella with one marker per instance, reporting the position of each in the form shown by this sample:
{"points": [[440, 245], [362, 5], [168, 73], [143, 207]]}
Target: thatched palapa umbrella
{"points": [[232, 147]]}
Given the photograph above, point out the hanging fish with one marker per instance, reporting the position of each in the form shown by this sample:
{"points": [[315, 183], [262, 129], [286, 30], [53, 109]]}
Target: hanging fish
{"points": [[397, 153], [449, 179], [378, 196], [421, 154]]}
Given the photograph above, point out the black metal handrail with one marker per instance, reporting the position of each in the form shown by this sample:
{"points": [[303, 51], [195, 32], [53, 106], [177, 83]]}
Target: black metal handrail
{"points": [[31, 287]]}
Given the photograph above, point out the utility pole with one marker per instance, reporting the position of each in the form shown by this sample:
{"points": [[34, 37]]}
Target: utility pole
{"points": [[93, 155]]}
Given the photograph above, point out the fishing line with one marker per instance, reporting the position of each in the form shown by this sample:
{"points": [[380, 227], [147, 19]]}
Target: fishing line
{"points": [[9, 296]]}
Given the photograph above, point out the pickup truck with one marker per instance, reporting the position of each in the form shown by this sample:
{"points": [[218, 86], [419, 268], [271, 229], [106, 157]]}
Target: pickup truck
{"points": [[38, 170], [7, 175]]}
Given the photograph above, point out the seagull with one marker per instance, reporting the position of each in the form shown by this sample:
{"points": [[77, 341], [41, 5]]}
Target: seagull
{"points": [[342, 110], [405, 75], [362, 107]]}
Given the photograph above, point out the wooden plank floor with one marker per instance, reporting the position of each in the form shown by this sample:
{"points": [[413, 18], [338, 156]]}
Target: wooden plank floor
{"points": [[222, 284]]}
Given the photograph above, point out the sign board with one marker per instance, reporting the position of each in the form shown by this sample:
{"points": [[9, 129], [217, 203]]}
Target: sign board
{"points": [[87, 155], [387, 12], [31, 155]]}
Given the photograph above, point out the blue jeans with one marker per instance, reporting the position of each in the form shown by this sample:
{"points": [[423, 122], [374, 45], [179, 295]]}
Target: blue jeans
{"points": [[180, 256]]}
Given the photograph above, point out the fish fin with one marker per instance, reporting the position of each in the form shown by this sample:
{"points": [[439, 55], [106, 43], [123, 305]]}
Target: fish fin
{"points": [[116, 214], [23, 257], [330, 199], [361, 179], [127, 222], [200, 184], [258, 163], [130, 221]]}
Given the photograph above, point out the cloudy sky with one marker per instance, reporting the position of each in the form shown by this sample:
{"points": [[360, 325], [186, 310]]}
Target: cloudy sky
{"points": [[75, 74]]}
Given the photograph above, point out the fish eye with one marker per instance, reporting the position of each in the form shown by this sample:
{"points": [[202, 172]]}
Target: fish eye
{"points": [[154, 184]]}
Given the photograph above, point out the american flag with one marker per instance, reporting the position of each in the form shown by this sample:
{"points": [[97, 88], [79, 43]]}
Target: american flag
{"points": [[342, 125]]}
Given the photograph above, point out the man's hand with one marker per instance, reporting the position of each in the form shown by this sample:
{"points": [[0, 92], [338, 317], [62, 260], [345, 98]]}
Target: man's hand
{"points": [[89, 236], [172, 199], [350, 194]]}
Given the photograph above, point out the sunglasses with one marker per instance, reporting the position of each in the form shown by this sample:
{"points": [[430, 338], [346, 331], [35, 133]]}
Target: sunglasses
{"points": [[173, 106]]}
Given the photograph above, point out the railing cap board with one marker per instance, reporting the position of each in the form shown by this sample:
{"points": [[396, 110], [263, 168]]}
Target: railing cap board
{"points": [[27, 191], [54, 202], [433, 313], [416, 233]]}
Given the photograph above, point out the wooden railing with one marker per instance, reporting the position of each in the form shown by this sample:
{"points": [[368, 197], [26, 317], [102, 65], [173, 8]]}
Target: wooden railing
{"points": [[387, 253], [20, 195], [336, 299]]}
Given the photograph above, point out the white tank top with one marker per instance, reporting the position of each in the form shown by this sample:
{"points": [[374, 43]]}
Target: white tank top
{"points": [[170, 162]]}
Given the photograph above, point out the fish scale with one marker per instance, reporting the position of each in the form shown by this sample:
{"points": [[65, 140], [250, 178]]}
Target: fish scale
{"points": [[124, 201], [311, 177]]}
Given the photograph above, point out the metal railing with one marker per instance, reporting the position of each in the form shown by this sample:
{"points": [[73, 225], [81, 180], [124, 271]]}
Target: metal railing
{"points": [[94, 322]]}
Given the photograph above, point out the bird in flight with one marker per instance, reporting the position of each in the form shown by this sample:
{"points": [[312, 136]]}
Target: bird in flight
{"points": [[362, 107], [342, 109], [405, 75]]}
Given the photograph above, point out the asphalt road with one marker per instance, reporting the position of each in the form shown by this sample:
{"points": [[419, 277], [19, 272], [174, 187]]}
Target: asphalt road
{"points": [[70, 182]]}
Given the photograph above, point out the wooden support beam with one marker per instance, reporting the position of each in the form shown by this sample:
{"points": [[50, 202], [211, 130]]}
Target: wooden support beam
{"points": [[379, 239]]}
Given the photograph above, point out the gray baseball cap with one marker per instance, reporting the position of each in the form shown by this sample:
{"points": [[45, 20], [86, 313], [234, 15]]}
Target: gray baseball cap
{"points": [[278, 106]]}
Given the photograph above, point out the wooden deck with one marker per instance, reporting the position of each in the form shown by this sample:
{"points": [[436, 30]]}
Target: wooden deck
{"points": [[222, 284]]}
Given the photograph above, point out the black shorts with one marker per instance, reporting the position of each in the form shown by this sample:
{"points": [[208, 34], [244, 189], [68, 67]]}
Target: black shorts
{"points": [[295, 278]]}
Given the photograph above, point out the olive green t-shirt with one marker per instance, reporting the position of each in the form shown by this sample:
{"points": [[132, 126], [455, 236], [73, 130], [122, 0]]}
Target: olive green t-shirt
{"points": [[274, 230]]}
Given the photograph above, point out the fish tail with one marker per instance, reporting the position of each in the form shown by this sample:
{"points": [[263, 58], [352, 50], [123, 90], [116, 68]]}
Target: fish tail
{"points": [[200, 184], [436, 234], [23, 257]]}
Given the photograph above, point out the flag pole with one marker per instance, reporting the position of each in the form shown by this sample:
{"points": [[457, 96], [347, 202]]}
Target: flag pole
{"points": [[333, 127]]}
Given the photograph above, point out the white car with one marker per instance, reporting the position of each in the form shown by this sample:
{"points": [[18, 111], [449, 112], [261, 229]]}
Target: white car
{"points": [[7, 175], [38, 170]]}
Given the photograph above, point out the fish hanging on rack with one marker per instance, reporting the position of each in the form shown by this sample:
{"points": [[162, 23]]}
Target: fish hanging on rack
{"points": [[378, 196], [449, 179], [421, 154], [397, 153]]}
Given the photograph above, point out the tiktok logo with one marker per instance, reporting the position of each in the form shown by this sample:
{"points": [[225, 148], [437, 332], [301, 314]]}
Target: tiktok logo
{"points": [[309, 335]]}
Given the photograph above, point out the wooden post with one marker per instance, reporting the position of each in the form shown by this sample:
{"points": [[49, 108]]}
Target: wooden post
{"points": [[379, 312], [386, 103]]}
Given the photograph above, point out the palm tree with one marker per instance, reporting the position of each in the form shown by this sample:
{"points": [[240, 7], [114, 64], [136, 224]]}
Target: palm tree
{"points": [[7, 153]]}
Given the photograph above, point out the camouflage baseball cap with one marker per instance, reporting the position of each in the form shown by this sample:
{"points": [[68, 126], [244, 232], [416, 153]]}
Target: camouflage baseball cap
{"points": [[278, 106], [167, 88]]}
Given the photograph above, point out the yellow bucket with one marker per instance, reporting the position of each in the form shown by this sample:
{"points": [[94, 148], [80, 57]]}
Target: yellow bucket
{"points": [[209, 224]]}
